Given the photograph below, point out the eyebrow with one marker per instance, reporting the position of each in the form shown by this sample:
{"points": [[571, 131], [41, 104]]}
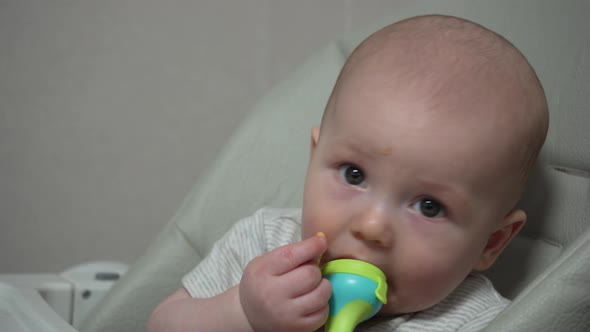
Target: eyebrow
{"points": [[360, 149]]}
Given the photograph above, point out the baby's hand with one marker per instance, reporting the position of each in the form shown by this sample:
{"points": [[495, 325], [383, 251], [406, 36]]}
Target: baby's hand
{"points": [[283, 290]]}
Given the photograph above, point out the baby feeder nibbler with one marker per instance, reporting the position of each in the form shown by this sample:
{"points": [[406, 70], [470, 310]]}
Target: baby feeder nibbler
{"points": [[359, 290]]}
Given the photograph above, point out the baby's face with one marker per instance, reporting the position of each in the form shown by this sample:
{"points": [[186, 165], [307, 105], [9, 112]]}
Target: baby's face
{"points": [[413, 187]]}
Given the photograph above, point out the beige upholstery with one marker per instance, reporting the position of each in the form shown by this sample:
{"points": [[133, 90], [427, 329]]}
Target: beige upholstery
{"points": [[547, 269]]}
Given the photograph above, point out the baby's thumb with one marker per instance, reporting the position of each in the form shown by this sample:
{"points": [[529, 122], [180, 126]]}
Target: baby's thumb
{"points": [[291, 256], [319, 257]]}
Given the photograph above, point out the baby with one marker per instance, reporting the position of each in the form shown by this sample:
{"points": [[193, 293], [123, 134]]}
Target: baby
{"points": [[422, 155]]}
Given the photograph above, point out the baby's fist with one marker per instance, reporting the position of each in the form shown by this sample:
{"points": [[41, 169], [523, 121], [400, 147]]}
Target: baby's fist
{"points": [[283, 290]]}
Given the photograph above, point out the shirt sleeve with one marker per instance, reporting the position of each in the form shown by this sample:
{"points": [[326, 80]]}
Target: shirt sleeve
{"points": [[223, 267], [250, 237]]}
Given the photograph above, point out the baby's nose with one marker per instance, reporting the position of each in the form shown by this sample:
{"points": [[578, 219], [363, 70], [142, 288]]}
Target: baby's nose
{"points": [[373, 225]]}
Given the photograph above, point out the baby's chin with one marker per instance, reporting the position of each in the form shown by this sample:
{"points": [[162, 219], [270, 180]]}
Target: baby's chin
{"points": [[389, 312], [392, 308], [395, 307]]}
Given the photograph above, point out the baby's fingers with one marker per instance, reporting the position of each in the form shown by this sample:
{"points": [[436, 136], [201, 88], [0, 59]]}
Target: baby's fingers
{"points": [[315, 300], [313, 306], [302, 280], [289, 257]]}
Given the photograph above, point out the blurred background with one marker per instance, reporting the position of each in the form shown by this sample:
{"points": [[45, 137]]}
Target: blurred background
{"points": [[111, 110]]}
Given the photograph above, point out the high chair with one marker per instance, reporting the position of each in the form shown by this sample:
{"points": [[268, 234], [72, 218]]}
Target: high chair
{"points": [[546, 271]]}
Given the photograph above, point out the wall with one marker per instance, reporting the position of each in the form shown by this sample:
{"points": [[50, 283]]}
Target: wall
{"points": [[110, 110]]}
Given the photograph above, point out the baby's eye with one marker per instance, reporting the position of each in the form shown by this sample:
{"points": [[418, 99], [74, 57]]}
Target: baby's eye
{"points": [[352, 175], [429, 208]]}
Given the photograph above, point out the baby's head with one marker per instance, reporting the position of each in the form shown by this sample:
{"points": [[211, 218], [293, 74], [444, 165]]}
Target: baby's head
{"points": [[423, 152]]}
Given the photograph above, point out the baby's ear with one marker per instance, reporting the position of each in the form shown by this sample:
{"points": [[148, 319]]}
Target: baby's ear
{"points": [[315, 135], [510, 226]]}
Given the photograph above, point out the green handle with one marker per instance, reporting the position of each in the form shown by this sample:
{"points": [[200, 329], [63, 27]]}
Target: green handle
{"points": [[349, 316]]}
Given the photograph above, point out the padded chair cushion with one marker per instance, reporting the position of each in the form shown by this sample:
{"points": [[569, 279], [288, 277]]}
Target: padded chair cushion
{"points": [[265, 161], [557, 300], [135, 296], [557, 203]]}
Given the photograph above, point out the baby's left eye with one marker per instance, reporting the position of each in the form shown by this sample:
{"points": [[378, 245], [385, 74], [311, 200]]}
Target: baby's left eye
{"points": [[429, 208], [352, 174]]}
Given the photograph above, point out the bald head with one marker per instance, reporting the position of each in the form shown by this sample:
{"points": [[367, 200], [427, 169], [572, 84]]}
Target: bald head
{"points": [[453, 61]]}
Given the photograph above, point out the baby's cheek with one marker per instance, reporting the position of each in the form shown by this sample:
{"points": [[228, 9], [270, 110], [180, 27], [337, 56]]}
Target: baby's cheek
{"points": [[317, 218], [311, 225], [425, 283], [308, 230]]}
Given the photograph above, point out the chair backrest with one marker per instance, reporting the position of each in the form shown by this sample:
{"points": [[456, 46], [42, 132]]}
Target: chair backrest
{"points": [[264, 165]]}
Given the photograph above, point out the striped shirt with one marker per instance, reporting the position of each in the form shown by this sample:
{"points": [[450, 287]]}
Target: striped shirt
{"points": [[470, 307]]}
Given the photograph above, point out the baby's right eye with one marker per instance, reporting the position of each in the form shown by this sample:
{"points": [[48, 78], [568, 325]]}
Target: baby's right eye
{"points": [[429, 208], [351, 174]]}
